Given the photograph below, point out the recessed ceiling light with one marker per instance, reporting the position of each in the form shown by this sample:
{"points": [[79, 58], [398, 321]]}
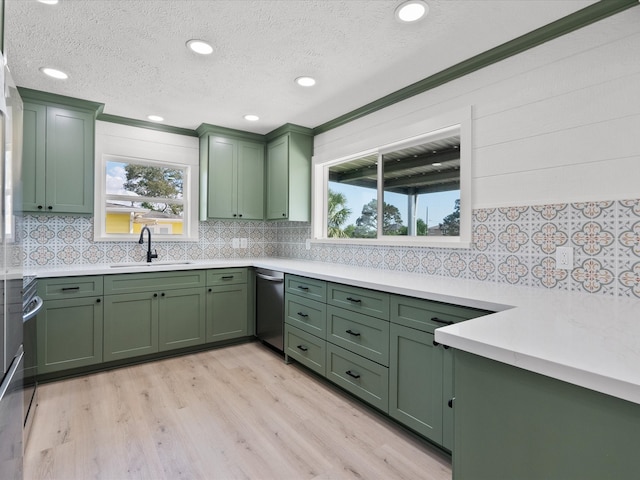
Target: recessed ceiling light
{"points": [[437, 164], [306, 81], [200, 46], [53, 73], [411, 11], [251, 118], [48, 2], [155, 118]]}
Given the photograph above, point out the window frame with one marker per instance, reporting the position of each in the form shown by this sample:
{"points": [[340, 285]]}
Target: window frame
{"points": [[444, 126], [133, 144]]}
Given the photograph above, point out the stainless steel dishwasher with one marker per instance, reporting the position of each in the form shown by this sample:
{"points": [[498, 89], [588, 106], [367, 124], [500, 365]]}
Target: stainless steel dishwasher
{"points": [[270, 307]]}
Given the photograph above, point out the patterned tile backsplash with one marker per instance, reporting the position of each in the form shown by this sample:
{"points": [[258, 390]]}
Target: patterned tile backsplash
{"points": [[511, 245], [68, 240]]}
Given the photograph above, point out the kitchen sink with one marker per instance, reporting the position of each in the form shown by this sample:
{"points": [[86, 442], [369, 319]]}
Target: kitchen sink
{"points": [[145, 264]]}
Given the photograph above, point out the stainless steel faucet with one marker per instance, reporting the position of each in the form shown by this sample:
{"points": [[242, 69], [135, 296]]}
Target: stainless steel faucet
{"points": [[150, 255]]}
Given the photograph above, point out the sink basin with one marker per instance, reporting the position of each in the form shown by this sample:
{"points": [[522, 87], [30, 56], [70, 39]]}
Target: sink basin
{"points": [[145, 264]]}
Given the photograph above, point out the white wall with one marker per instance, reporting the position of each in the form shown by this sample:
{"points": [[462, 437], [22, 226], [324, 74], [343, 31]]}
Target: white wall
{"points": [[137, 142], [557, 123]]}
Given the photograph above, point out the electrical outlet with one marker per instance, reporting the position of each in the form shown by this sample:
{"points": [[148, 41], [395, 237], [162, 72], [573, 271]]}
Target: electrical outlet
{"points": [[564, 258], [307, 244], [243, 243], [235, 243]]}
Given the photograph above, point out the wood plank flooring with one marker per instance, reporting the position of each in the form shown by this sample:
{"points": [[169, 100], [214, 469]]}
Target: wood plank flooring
{"points": [[233, 413]]}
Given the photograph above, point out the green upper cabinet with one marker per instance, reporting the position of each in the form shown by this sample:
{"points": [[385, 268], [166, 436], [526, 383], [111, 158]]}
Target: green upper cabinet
{"points": [[289, 174], [231, 174], [58, 153]]}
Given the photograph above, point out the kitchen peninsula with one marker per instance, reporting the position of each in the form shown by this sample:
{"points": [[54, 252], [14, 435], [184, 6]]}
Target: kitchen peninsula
{"points": [[584, 343]]}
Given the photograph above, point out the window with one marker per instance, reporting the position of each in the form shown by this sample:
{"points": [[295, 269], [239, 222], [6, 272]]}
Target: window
{"points": [[145, 178], [143, 194], [139, 193], [419, 187]]}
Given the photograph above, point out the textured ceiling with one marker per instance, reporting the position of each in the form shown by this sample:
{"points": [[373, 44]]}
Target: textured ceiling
{"points": [[131, 54]]}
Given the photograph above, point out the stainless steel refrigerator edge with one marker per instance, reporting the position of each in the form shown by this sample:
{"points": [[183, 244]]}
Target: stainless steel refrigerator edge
{"points": [[270, 307], [12, 356]]}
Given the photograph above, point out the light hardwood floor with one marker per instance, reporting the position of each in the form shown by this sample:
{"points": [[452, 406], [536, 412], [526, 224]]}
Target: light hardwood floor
{"points": [[233, 413]]}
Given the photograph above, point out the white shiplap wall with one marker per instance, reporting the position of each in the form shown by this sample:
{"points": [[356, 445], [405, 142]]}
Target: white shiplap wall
{"points": [[557, 123]]}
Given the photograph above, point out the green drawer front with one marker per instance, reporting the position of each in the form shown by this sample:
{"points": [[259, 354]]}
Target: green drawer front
{"points": [[70, 287], [361, 334], [306, 287], [305, 348], [360, 376], [426, 315], [145, 282], [359, 300], [307, 315], [226, 276]]}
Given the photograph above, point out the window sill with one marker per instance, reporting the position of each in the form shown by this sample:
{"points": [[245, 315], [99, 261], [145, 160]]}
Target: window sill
{"points": [[441, 242]]}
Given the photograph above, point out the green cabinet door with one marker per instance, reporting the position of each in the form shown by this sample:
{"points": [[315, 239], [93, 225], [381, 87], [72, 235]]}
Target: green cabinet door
{"points": [[227, 312], [250, 181], [69, 334], [131, 325], [415, 381], [223, 178], [236, 179], [34, 157], [515, 424], [289, 174], [181, 321], [70, 161], [278, 178], [58, 159]]}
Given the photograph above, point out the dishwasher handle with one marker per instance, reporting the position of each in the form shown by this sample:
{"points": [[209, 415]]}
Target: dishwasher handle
{"points": [[36, 307], [269, 278]]}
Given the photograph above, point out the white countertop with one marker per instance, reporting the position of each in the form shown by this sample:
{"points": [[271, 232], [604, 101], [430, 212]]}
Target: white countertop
{"points": [[589, 340]]}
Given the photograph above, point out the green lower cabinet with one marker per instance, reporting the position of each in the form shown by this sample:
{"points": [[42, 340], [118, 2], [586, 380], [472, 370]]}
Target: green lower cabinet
{"points": [[511, 423], [69, 334], [361, 334], [305, 348], [358, 375], [416, 381], [131, 325], [306, 314], [181, 321], [227, 312]]}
